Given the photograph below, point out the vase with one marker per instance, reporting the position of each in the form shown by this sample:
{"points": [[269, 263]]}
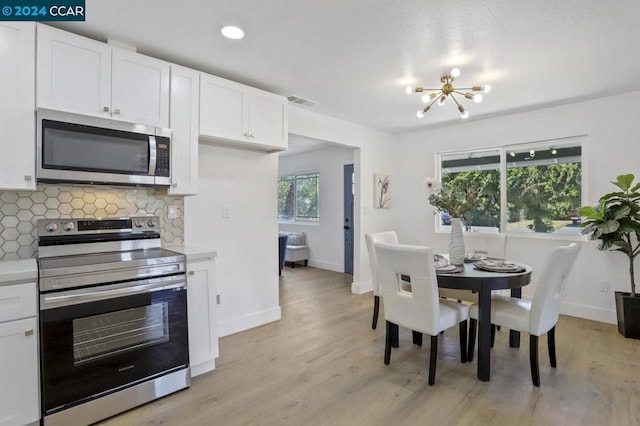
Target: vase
{"points": [[456, 242]]}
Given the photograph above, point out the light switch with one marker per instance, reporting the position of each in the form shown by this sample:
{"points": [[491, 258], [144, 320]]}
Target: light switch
{"points": [[226, 212]]}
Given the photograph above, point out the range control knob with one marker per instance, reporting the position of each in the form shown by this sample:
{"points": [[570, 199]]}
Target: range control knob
{"points": [[51, 227], [138, 223], [68, 226], [152, 223]]}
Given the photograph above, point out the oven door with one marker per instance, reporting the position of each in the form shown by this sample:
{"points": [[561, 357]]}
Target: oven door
{"points": [[99, 340]]}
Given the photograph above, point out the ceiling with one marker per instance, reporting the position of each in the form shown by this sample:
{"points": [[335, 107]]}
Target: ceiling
{"points": [[355, 57]]}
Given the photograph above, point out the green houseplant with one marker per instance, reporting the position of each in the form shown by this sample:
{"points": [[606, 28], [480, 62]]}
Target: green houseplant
{"points": [[615, 221]]}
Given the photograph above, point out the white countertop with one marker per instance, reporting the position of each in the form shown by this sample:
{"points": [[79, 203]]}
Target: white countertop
{"points": [[18, 271], [194, 253]]}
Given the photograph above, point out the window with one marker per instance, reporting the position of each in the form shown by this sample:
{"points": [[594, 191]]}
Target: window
{"points": [[298, 196], [542, 182]]}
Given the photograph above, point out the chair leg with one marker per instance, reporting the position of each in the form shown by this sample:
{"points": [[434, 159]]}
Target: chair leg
{"points": [[473, 326], [305, 262], [376, 310], [417, 338], [533, 359], [432, 360], [493, 335], [463, 341], [395, 336], [387, 342], [551, 342]]}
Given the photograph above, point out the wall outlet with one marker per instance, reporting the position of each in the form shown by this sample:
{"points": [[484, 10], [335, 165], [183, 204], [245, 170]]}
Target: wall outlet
{"points": [[603, 286], [172, 213]]}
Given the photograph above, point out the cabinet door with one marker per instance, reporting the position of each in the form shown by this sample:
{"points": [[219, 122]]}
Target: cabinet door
{"points": [[185, 101], [19, 397], [268, 119], [139, 88], [74, 73], [201, 308], [223, 109], [17, 119]]}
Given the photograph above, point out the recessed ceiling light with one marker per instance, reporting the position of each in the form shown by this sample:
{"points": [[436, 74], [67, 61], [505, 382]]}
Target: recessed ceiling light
{"points": [[232, 32]]}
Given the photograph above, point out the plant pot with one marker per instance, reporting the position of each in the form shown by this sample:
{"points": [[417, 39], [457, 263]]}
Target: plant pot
{"points": [[628, 311], [456, 242]]}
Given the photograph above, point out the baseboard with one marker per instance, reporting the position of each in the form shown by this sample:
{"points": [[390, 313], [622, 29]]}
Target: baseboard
{"points": [[203, 367], [246, 322], [589, 312], [329, 266], [361, 287]]}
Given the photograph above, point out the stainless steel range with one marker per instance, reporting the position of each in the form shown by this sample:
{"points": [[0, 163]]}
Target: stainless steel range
{"points": [[113, 317]]}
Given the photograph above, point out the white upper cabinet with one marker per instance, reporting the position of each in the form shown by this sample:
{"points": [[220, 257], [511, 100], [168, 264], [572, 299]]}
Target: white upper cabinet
{"points": [[17, 118], [85, 76], [185, 101], [234, 112], [139, 88]]}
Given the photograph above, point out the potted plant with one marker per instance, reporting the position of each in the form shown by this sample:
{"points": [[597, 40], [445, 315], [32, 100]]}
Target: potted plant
{"points": [[616, 223]]}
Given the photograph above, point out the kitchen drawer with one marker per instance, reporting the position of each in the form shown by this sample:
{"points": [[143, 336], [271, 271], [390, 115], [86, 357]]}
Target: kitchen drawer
{"points": [[17, 301]]}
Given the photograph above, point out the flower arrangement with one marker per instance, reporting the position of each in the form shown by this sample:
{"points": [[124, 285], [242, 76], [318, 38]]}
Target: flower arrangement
{"points": [[456, 203]]}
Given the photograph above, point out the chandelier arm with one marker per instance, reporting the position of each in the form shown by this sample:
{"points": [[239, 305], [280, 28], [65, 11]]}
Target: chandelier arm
{"points": [[435, 98], [454, 99], [459, 93], [463, 88]]}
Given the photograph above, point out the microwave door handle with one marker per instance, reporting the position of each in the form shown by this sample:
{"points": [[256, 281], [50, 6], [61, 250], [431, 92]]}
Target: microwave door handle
{"points": [[153, 155]]}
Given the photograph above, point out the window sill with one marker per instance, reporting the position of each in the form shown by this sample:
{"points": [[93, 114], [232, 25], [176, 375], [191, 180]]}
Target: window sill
{"points": [[300, 223]]}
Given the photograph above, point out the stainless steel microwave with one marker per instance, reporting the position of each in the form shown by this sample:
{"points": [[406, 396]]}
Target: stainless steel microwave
{"points": [[82, 149]]}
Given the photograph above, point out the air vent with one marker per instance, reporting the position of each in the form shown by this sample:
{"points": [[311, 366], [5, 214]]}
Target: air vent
{"points": [[301, 101]]}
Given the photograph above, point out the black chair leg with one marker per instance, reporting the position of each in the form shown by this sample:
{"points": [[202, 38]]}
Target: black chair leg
{"points": [[387, 342], [463, 341], [551, 342], [533, 359], [417, 338], [493, 335], [473, 326], [395, 336], [376, 310], [432, 360]]}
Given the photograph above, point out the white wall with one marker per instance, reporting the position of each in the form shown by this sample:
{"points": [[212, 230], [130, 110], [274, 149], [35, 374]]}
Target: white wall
{"points": [[611, 124], [247, 262], [374, 155], [325, 239]]}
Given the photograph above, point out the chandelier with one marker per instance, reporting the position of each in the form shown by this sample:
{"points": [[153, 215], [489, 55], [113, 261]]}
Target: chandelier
{"points": [[447, 91]]}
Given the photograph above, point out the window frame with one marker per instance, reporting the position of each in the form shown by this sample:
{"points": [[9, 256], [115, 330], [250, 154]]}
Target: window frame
{"points": [[295, 219], [503, 150]]}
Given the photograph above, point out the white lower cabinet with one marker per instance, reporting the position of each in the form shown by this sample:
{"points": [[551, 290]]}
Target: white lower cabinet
{"points": [[19, 367], [201, 308]]}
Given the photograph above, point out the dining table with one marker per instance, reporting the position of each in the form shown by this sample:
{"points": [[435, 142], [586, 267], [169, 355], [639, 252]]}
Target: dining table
{"points": [[469, 277]]}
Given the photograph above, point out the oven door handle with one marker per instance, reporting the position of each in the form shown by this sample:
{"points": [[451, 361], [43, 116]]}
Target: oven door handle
{"points": [[74, 297]]}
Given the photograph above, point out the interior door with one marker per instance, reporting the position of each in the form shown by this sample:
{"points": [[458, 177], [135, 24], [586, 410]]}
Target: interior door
{"points": [[348, 218]]}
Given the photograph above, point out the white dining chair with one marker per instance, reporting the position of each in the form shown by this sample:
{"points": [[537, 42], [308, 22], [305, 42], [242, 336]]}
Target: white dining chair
{"points": [[538, 316], [389, 237], [489, 244], [421, 309]]}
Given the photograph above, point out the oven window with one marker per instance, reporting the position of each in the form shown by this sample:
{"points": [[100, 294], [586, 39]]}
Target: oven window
{"points": [[113, 333]]}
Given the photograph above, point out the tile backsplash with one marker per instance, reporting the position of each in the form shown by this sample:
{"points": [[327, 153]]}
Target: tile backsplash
{"points": [[19, 212]]}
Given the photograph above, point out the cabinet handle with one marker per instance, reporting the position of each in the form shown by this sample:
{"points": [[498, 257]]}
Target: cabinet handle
{"points": [[116, 111], [174, 185], [246, 135], [251, 135], [27, 178], [28, 332], [192, 273], [105, 109]]}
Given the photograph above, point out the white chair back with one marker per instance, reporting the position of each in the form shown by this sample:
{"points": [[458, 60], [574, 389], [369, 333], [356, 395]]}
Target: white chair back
{"points": [[545, 307], [419, 309], [388, 237], [491, 244]]}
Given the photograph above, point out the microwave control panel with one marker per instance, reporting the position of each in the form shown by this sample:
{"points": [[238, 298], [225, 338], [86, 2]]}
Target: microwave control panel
{"points": [[163, 160]]}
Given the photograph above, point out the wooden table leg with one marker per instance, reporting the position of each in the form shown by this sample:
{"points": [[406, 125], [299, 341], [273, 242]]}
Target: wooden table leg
{"points": [[484, 333], [514, 336]]}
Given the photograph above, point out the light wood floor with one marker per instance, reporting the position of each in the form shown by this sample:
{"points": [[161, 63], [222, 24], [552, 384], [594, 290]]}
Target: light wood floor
{"points": [[322, 365]]}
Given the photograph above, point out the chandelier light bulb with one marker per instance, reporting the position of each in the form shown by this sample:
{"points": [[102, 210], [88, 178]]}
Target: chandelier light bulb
{"points": [[420, 114], [487, 88], [513, 154], [426, 99], [554, 151], [465, 115], [442, 99], [477, 98], [408, 90], [455, 72], [532, 153]]}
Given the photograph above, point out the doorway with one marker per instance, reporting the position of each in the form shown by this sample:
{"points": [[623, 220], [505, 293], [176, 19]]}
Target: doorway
{"points": [[349, 190]]}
